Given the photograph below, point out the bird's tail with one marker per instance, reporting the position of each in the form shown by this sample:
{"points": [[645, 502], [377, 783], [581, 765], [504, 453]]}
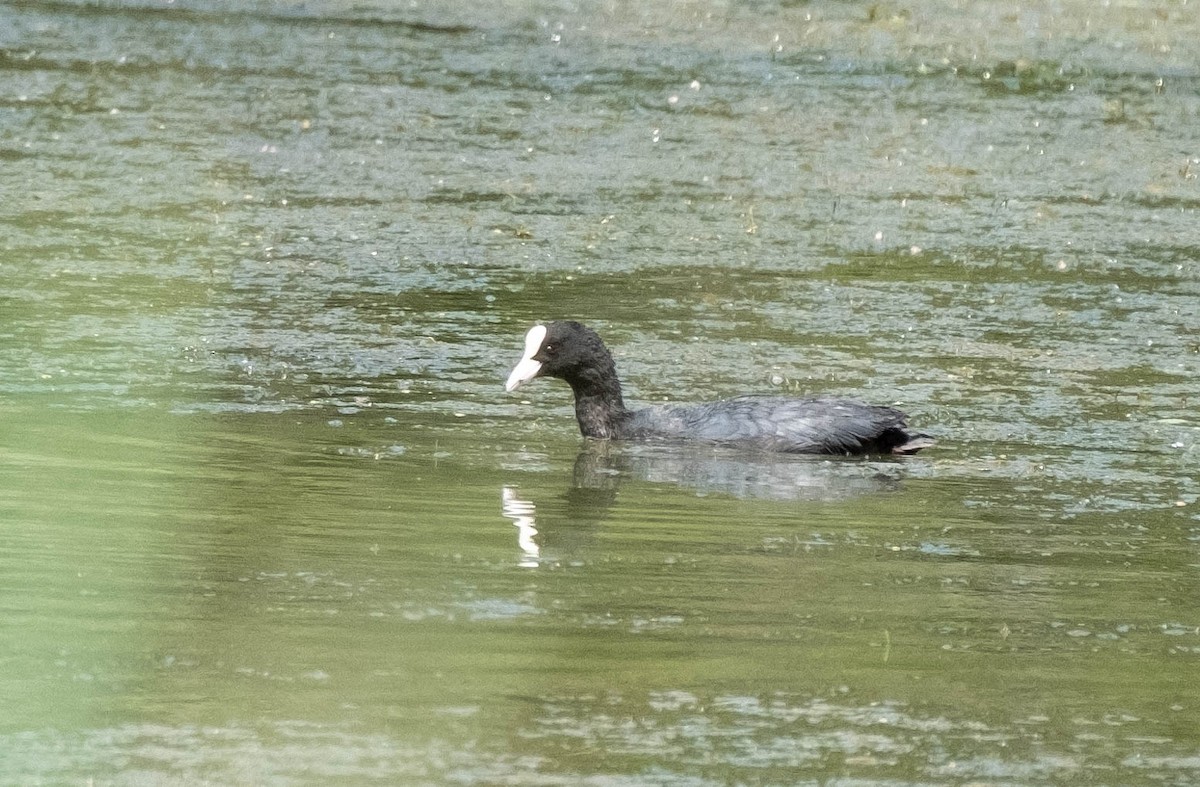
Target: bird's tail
{"points": [[914, 443]]}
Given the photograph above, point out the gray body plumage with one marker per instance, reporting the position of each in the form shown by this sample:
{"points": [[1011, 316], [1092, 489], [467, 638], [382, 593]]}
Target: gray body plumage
{"points": [[778, 423]]}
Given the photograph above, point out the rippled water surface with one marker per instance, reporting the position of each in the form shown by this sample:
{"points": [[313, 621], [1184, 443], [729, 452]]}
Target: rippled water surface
{"points": [[268, 517]]}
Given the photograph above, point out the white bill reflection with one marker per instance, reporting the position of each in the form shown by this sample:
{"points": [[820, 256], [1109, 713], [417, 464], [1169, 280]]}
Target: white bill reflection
{"points": [[523, 513]]}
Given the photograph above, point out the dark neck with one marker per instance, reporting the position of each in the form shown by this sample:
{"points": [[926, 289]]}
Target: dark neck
{"points": [[599, 407]]}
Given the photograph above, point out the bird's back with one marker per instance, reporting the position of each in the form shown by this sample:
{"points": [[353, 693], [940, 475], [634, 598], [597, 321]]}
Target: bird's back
{"points": [[779, 423]]}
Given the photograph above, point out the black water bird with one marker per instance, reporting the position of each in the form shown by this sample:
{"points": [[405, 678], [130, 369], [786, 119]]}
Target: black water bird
{"points": [[576, 354]]}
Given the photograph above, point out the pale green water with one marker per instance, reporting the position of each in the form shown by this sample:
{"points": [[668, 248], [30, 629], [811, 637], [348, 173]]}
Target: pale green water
{"points": [[268, 517]]}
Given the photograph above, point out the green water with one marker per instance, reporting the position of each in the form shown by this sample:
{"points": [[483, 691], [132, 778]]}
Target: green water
{"points": [[268, 517]]}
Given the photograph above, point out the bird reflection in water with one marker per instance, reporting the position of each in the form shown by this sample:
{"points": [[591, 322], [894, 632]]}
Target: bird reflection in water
{"points": [[523, 513], [601, 468]]}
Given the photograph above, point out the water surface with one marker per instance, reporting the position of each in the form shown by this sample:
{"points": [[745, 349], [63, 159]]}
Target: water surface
{"points": [[268, 517]]}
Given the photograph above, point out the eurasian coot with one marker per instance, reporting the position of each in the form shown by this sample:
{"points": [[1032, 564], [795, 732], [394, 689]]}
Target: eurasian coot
{"points": [[575, 353]]}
